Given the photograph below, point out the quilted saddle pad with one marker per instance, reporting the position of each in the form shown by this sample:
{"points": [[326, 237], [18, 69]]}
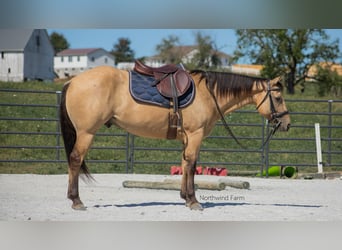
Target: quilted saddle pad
{"points": [[142, 90]]}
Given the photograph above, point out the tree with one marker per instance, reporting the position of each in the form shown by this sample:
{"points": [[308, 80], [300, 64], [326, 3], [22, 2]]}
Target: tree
{"points": [[122, 51], [58, 42], [207, 56], [288, 52], [167, 52], [328, 80]]}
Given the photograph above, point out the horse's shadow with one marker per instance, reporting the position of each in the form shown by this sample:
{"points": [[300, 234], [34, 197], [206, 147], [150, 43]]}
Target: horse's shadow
{"points": [[206, 204]]}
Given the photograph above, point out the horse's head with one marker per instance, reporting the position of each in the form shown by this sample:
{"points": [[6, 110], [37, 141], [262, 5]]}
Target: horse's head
{"points": [[271, 104]]}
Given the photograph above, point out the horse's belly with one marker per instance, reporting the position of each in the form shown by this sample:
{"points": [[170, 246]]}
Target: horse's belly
{"points": [[148, 125]]}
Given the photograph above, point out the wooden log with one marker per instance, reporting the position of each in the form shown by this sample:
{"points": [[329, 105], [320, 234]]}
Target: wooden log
{"points": [[235, 184], [209, 185], [152, 185], [169, 184]]}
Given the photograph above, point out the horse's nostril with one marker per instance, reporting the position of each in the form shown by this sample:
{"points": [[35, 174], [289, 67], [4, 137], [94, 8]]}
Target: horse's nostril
{"points": [[288, 126]]}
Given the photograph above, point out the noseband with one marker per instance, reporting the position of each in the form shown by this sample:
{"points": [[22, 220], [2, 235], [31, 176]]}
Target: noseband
{"points": [[274, 114]]}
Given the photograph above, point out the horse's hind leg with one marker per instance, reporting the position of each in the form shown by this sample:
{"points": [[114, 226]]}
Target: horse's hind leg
{"points": [[189, 168], [77, 155]]}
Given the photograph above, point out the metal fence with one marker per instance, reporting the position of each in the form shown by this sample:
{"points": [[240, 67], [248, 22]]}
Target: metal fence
{"points": [[30, 133]]}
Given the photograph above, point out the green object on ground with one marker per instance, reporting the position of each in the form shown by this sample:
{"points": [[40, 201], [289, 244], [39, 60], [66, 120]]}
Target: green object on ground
{"points": [[290, 172], [281, 171]]}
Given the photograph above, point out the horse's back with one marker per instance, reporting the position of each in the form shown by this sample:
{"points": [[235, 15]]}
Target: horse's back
{"points": [[102, 75], [100, 81]]}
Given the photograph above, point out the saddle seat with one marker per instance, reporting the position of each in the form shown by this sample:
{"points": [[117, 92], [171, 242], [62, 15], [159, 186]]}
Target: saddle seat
{"points": [[147, 70], [170, 80]]}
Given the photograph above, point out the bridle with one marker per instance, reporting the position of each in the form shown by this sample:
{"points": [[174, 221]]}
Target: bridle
{"points": [[274, 114]]}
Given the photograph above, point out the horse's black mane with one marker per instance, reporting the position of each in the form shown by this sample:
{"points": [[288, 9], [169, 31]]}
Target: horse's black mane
{"points": [[228, 83]]}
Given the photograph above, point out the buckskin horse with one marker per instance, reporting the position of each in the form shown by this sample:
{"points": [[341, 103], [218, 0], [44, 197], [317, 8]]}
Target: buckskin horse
{"points": [[101, 96]]}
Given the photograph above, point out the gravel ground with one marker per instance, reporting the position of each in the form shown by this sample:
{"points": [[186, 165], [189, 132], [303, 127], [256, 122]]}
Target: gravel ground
{"points": [[43, 198]]}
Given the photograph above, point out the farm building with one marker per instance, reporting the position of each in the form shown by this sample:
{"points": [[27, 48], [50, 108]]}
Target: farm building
{"points": [[71, 62], [313, 70], [25, 54], [247, 69]]}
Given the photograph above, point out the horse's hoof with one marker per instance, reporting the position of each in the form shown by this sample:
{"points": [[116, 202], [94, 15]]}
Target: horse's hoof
{"points": [[79, 207], [195, 206]]}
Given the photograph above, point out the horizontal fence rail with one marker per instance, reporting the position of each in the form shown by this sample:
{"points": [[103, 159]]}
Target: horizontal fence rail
{"points": [[30, 133]]}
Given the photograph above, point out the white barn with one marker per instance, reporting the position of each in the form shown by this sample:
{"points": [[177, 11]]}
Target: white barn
{"points": [[25, 54], [71, 62]]}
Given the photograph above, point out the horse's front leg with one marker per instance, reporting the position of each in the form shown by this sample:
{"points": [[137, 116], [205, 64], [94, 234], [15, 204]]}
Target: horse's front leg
{"points": [[190, 155]]}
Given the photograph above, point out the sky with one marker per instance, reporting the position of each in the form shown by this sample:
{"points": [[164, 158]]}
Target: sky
{"points": [[144, 41]]}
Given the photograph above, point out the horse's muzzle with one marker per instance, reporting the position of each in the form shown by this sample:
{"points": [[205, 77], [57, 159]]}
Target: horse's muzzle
{"points": [[279, 122], [280, 125], [285, 128]]}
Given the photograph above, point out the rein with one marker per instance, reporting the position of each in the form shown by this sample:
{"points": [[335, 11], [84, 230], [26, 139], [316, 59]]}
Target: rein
{"points": [[274, 115], [225, 124]]}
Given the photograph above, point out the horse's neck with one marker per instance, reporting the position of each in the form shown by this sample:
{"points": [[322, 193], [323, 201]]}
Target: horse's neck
{"points": [[229, 104], [235, 103]]}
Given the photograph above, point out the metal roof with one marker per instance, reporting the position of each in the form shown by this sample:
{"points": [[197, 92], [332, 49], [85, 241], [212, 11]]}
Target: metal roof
{"points": [[14, 39], [77, 52]]}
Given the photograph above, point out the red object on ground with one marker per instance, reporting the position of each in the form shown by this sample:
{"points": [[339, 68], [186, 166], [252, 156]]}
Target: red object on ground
{"points": [[177, 170], [215, 171], [199, 170]]}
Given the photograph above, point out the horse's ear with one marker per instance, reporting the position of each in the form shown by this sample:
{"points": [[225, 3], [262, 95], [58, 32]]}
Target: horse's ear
{"points": [[276, 80]]}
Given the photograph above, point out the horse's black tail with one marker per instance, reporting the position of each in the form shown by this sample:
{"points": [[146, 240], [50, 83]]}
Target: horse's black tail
{"points": [[69, 132]]}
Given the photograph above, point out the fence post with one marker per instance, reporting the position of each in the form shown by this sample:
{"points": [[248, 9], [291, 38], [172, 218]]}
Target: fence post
{"points": [[132, 153], [129, 153], [263, 146], [58, 137], [330, 102], [267, 148], [318, 148]]}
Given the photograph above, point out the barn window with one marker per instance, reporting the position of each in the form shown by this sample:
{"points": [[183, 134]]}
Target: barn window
{"points": [[9, 70], [106, 60], [2, 55], [62, 59], [70, 59], [93, 59], [78, 58]]}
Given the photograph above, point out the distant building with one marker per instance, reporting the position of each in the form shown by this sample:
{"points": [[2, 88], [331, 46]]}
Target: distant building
{"points": [[313, 70], [125, 65], [71, 62], [187, 54], [25, 54], [247, 69]]}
